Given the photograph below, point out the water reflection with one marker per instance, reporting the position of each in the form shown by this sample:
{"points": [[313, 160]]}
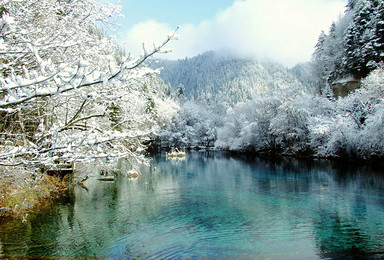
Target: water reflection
{"points": [[213, 204]]}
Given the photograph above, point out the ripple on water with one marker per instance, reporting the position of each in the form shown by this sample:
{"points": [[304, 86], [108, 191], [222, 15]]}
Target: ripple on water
{"points": [[215, 206]]}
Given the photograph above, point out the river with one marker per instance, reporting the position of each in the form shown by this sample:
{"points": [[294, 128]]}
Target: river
{"points": [[212, 204]]}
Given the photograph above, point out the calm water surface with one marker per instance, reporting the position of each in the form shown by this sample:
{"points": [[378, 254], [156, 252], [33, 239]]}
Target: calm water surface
{"points": [[213, 205]]}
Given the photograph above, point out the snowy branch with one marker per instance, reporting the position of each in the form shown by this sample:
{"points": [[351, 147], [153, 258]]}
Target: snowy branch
{"points": [[67, 90]]}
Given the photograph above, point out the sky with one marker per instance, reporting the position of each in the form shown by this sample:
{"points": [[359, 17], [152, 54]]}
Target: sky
{"points": [[282, 30]]}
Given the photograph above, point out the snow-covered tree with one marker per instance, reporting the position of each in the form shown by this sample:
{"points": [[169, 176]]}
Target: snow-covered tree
{"points": [[194, 125], [296, 123], [329, 56], [351, 4], [354, 45], [365, 38], [247, 125], [67, 91], [352, 128], [222, 79]]}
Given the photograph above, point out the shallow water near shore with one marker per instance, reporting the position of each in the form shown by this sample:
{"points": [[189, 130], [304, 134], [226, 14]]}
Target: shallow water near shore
{"points": [[211, 204]]}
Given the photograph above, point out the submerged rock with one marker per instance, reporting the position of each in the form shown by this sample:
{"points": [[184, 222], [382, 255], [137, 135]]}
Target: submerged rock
{"points": [[131, 174], [109, 178]]}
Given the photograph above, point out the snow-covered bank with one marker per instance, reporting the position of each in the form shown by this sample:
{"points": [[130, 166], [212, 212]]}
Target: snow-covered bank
{"points": [[288, 122], [352, 126]]}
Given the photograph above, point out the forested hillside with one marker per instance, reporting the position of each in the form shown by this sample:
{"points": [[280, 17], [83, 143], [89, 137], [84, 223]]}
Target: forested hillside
{"points": [[224, 79], [277, 113], [354, 45]]}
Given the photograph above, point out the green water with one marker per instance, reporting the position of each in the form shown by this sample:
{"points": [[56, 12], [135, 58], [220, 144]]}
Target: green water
{"points": [[213, 205]]}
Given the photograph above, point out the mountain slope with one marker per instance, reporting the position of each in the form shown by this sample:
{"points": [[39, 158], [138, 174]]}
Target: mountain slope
{"points": [[224, 79]]}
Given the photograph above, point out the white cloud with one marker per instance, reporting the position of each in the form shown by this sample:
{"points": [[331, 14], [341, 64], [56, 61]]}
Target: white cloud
{"points": [[149, 33], [284, 30]]}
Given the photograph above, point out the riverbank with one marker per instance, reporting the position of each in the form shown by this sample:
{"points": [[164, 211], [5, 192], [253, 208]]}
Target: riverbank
{"points": [[25, 189]]}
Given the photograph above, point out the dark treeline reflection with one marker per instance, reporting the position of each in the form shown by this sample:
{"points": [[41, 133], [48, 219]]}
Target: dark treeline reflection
{"points": [[214, 204]]}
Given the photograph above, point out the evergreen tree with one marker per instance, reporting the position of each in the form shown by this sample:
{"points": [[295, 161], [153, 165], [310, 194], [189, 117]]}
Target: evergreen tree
{"points": [[320, 66], [220, 79], [351, 4], [354, 45], [364, 38]]}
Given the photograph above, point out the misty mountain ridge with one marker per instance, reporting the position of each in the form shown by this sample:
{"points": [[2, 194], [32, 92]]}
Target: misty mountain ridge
{"points": [[221, 78]]}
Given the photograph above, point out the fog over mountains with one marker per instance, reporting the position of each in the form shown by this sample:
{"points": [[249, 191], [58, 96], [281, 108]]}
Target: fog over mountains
{"points": [[218, 78]]}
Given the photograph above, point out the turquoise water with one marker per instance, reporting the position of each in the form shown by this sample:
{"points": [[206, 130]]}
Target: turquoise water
{"points": [[213, 205]]}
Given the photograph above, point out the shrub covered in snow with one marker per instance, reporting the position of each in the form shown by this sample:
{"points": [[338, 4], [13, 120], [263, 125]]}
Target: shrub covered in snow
{"points": [[303, 123]]}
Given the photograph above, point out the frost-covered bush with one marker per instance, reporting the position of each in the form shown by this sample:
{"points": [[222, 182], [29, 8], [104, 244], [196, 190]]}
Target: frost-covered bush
{"points": [[317, 112], [356, 127], [372, 136], [194, 125], [278, 121], [289, 127], [247, 125], [295, 123]]}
